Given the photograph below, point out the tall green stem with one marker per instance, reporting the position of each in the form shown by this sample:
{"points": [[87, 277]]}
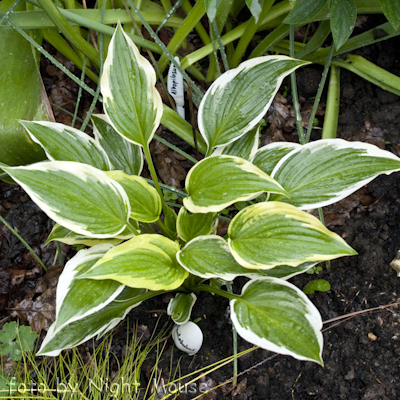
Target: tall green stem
{"points": [[299, 121], [329, 128], [319, 94]]}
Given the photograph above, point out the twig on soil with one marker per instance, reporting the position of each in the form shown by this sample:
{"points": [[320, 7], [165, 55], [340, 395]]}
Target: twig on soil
{"points": [[355, 313]]}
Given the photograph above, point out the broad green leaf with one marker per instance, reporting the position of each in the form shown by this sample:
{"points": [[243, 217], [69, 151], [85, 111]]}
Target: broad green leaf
{"points": [[77, 298], [77, 196], [391, 9], [210, 257], [131, 101], [280, 271], [343, 19], [268, 156], [146, 261], [237, 101], [304, 11], [97, 324], [245, 147], [180, 307], [143, 198], [22, 95], [277, 316], [191, 225], [64, 143], [216, 182], [326, 171], [211, 8], [255, 7], [124, 155], [319, 285], [64, 235], [265, 235]]}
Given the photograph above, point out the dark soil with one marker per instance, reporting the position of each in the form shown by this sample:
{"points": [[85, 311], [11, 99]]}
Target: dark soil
{"points": [[361, 353]]}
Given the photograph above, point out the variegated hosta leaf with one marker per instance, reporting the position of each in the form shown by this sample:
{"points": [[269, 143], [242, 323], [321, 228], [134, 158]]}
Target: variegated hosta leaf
{"points": [[180, 307], [191, 225], [146, 261], [96, 324], [326, 171], [268, 156], [238, 99], [277, 316], [131, 101], [143, 198], [265, 235], [79, 297], [280, 271], [77, 196], [64, 235], [245, 147], [64, 143], [219, 181], [124, 155], [210, 257]]}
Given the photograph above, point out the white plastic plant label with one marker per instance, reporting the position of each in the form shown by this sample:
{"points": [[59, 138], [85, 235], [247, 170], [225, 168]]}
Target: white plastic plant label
{"points": [[175, 88], [188, 337]]}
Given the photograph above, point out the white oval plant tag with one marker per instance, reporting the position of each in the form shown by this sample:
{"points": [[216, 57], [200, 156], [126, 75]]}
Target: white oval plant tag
{"points": [[188, 337], [175, 88]]}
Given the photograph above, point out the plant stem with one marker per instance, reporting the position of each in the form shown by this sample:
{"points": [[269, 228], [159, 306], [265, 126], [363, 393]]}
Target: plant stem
{"points": [[171, 189], [319, 94], [177, 149], [234, 338], [299, 121], [220, 292], [329, 128], [23, 241], [221, 46]]}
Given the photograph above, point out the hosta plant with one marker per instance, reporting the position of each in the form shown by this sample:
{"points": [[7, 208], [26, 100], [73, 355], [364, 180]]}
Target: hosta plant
{"points": [[92, 188]]}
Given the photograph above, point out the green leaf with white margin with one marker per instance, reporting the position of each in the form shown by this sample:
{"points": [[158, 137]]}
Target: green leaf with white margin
{"points": [[245, 147], [210, 257], [64, 235], [124, 155], [191, 225], [268, 234], [131, 101], [326, 171], [96, 324], [268, 156], [343, 20], [277, 316], [180, 307], [143, 198], [146, 261], [237, 101], [216, 182], [77, 196], [77, 298], [391, 9], [64, 143]]}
